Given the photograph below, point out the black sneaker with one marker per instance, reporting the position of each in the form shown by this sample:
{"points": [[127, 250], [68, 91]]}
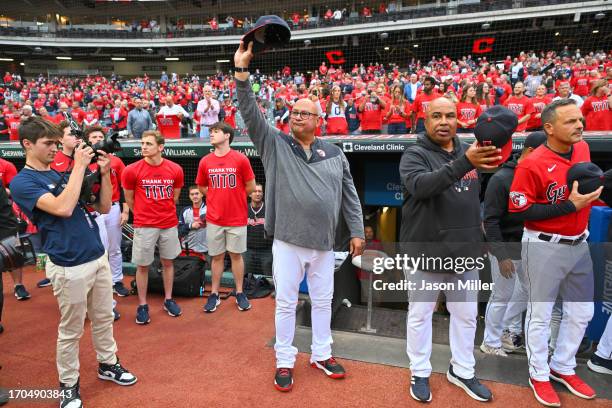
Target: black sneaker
{"points": [[116, 373], [242, 302], [120, 290], [142, 314], [212, 303], [43, 283], [472, 386], [600, 365], [419, 389], [116, 314], [283, 380], [70, 397], [330, 367], [21, 293], [172, 308], [4, 396]]}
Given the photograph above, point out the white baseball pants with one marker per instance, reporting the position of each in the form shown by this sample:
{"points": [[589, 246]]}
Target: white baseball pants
{"points": [[507, 302], [553, 269], [113, 230], [290, 264], [463, 308]]}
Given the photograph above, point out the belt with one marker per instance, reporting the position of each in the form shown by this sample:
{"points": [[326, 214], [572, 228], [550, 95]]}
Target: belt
{"points": [[564, 241]]}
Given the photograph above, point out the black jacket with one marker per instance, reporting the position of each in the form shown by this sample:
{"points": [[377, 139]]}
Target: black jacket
{"points": [[441, 210], [503, 231]]}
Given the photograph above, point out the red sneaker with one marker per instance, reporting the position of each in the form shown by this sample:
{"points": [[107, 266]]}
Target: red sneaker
{"points": [[330, 367], [544, 393], [575, 384]]}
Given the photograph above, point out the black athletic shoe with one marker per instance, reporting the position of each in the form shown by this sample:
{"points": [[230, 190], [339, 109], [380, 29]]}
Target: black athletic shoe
{"points": [[419, 388], [212, 303], [4, 396], [21, 293], [242, 302], [600, 365], [142, 314], [120, 290], [330, 367], [70, 397], [43, 283], [472, 386], [116, 373], [283, 380], [116, 314], [1, 328], [172, 308]]}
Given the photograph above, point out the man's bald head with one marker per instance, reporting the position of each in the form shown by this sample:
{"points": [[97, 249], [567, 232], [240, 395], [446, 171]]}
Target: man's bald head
{"points": [[307, 105], [304, 119]]}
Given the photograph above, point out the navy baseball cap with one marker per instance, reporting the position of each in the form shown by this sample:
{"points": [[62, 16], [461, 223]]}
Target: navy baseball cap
{"points": [[589, 176], [606, 194], [269, 32], [495, 127], [535, 139]]}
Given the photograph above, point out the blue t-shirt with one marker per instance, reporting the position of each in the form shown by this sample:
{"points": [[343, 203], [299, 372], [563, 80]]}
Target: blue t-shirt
{"points": [[68, 241]]}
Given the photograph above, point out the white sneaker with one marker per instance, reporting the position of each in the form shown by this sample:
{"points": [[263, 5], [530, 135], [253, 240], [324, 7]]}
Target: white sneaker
{"points": [[511, 342], [495, 351]]}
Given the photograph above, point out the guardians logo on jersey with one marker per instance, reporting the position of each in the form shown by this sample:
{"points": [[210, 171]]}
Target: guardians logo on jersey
{"points": [[518, 199], [554, 193]]}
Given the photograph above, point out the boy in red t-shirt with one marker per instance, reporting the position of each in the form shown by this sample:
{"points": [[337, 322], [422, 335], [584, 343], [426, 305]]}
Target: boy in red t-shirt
{"points": [[521, 105], [152, 187], [225, 177]]}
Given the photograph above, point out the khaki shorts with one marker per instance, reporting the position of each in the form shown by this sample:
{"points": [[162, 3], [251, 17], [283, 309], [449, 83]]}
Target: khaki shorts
{"points": [[145, 239], [221, 239]]}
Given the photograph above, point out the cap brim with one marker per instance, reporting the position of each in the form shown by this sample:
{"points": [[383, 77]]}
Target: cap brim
{"points": [[506, 151]]}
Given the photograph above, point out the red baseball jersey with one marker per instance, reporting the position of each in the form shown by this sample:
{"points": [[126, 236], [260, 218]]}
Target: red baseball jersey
{"points": [[225, 177], [371, 117], [522, 107], [153, 188], [230, 115], [542, 179], [7, 172], [117, 167], [597, 113], [169, 126], [13, 126]]}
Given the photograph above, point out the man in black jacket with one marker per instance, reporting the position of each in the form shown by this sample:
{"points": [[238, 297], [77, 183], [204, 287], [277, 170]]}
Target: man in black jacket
{"points": [[504, 232], [441, 220]]}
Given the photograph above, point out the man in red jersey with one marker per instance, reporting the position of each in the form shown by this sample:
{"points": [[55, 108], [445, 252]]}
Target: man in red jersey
{"points": [[555, 255], [539, 101], [580, 83], [225, 177], [521, 105], [230, 112], [421, 105], [152, 187], [371, 109]]}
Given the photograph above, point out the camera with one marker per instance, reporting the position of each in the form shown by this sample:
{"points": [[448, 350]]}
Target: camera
{"points": [[14, 252], [109, 144]]}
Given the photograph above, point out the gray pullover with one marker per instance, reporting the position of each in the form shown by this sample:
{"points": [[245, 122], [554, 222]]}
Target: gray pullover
{"points": [[304, 196]]}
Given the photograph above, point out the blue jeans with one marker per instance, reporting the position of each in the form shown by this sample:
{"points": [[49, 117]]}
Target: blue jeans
{"points": [[397, 128], [420, 126], [204, 132]]}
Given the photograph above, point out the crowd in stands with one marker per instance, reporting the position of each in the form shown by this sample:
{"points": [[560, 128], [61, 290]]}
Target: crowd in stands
{"points": [[366, 98]]}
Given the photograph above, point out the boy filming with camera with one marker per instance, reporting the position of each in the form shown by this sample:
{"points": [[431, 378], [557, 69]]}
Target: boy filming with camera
{"points": [[78, 265]]}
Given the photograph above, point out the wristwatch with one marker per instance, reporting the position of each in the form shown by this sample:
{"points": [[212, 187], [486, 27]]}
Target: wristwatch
{"points": [[241, 69]]}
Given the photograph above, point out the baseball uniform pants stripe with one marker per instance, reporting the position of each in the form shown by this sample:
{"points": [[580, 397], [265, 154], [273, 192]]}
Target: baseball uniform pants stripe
{"points": [[500, 301], [553, 269], [463, 308], [290, 264]]}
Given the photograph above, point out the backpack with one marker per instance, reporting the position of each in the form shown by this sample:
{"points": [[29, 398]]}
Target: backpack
{"points": [[256, 287]]}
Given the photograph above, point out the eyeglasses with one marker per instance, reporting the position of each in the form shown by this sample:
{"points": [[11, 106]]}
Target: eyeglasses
{"points": [[303, 114]]}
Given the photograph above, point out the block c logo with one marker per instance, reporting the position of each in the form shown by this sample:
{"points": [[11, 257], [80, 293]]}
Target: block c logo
{"points": [[335, 57], [483, 45]]}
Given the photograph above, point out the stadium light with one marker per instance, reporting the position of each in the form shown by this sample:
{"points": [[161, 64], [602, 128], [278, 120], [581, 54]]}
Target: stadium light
{"points": [[172, 58], [384, 36], [38, 49], [7, 59], [63, 58], [222, 61], [486, 26], [22, 64], [599, 15], [595, 31], [149, 50], [416, 45], [557, 34], [117, 58], [386, 48], [307, 43]]}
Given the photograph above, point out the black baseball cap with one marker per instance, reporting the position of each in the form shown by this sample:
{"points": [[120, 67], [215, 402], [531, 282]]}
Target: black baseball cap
{"points": [[589, 176], [606, 193], [535, 139], [269, 32], [495, 127]]}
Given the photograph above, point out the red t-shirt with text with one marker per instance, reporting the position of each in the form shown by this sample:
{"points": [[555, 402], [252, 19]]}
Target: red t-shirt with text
{"points": [[153, 192], [225, 177]]}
